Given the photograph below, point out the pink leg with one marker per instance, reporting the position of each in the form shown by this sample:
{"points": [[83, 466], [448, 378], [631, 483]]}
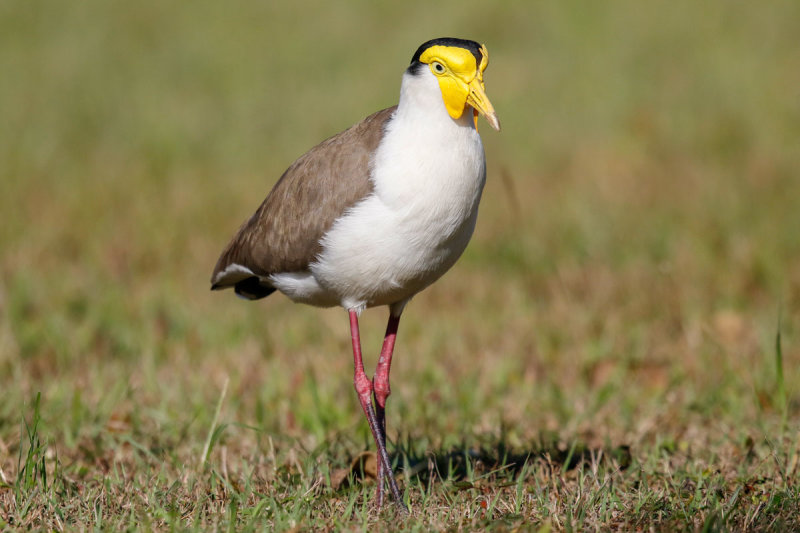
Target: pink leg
{"points": [[363, 387], [381, 390]]}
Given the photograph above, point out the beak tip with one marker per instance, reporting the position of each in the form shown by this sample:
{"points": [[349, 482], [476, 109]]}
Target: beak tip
{"points": [[494, 122]]}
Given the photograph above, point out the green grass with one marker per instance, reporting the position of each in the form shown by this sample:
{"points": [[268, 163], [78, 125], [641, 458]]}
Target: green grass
{"points": [[617, 349]]}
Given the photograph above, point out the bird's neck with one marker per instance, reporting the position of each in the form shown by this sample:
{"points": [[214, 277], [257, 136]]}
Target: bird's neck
{"points": [[421, 103]]}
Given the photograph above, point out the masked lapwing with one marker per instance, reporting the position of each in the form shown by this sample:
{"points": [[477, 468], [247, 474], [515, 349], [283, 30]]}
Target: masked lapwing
{"points": [[375, 214]]}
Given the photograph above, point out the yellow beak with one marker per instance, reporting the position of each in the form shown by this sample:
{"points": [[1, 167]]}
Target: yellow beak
{"points": [[477, 98]]}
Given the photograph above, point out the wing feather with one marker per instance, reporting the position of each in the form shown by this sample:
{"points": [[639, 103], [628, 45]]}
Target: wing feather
{"points": [[284, 234]]}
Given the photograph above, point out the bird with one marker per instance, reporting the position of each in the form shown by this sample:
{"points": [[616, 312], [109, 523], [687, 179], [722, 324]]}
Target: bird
{"points": [[375, 214]]}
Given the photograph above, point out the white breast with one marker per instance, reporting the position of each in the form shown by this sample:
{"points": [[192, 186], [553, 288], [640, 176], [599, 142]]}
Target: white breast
{"points": [[428, 175]]}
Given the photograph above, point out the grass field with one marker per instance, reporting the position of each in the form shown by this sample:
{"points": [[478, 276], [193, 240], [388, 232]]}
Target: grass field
{"points": [[619, 347]]}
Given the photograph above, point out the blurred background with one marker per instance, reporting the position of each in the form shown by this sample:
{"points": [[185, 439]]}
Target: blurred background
{"points": [[637, 250]]}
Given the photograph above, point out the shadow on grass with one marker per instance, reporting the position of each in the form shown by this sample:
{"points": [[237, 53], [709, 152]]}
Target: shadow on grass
{"points": [[491, 461]]}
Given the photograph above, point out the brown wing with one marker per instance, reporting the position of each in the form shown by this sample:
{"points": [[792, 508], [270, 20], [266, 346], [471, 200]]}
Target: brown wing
{"points": [[284, 233]]}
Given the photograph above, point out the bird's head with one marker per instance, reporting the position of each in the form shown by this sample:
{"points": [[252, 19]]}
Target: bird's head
{"points": [[458, 64]]}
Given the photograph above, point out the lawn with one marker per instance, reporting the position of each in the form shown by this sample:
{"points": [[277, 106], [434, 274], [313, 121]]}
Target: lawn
{"points": [[618, 348]]}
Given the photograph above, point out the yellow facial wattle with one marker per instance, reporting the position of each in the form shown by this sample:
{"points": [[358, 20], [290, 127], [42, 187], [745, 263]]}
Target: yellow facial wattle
{"points": [[461, 80]]}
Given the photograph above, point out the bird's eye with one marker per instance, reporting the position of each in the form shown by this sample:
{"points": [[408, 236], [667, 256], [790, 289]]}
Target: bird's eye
{"points": [[438, 68]]}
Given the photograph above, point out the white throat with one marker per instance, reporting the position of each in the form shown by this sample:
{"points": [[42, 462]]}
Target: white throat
{"points": [[426, 153]]}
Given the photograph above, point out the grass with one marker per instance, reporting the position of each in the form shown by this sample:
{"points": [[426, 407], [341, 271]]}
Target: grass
{"points": [[617, 349]]}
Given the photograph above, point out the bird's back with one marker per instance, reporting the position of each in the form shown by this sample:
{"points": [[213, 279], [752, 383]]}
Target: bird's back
{"points": [[284, 234]]}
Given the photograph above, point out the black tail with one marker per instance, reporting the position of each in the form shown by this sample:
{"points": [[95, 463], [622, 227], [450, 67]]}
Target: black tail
{"points": [[249, 288], [252, 289]]}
